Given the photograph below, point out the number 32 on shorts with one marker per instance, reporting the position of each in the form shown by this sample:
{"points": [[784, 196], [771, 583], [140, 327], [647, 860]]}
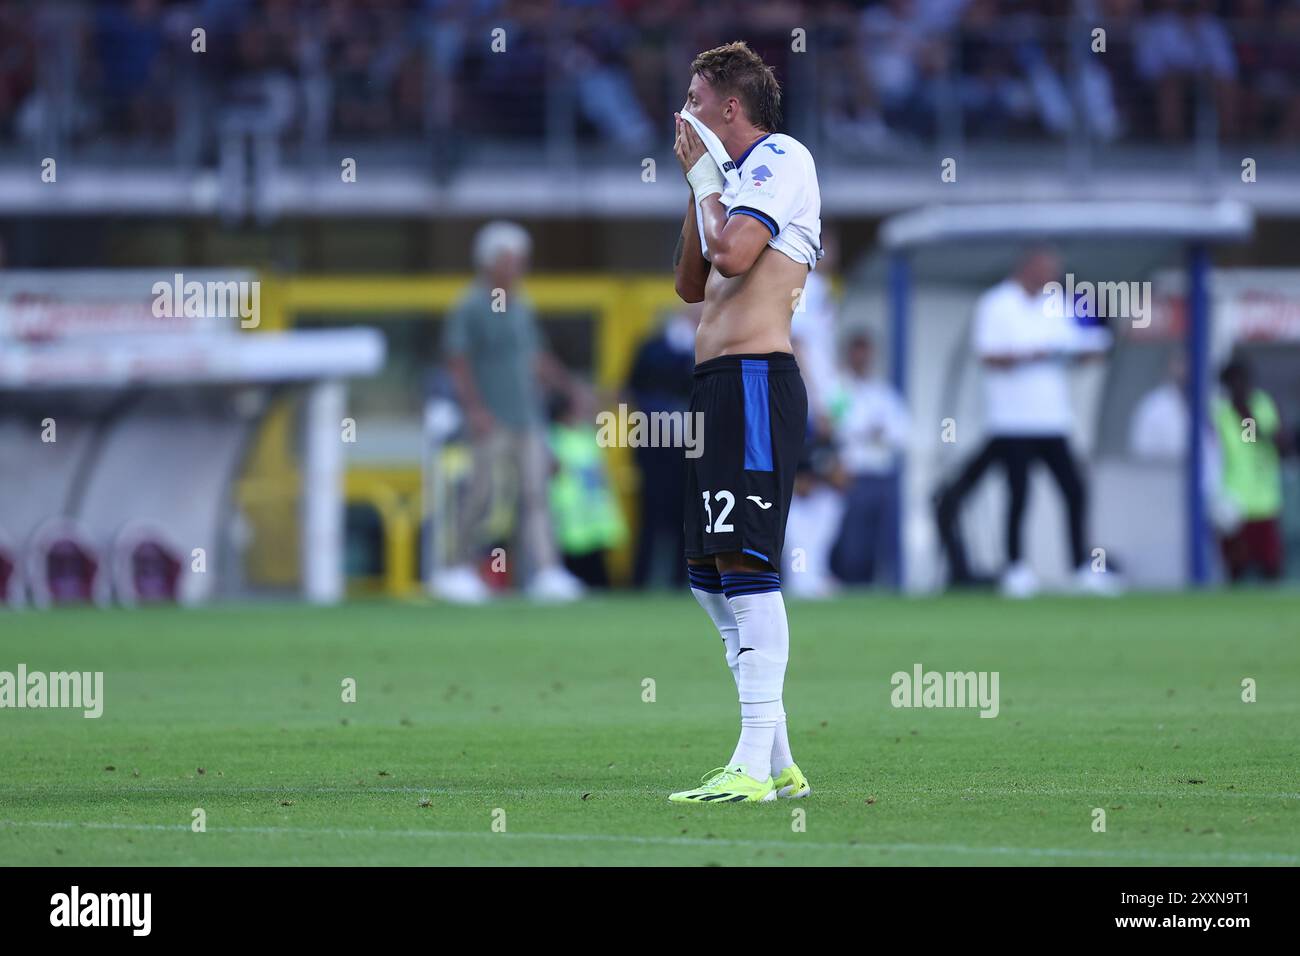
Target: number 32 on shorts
{"points": [[718, 525]]}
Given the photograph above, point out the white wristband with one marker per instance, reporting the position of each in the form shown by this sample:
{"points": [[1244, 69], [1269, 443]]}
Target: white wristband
{"points": [[705, 178]]}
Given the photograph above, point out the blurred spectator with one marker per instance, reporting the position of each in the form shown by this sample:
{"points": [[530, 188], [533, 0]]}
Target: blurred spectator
{"points": [[1111, 86], [130, 42], [660, 381], [847, 100], [817, 507], [17, 64], [1158, 429], [496, 357], [1269, 57], [587, 518], [813, 334], [1252, 441], [1281, 80], [1184, 44], [903, 57], [816, 513], [1071, 89], [995, 99], [595, 62], [1026, 349], [654, 29], [368, 49], [871, 429], [506, 94], [261, 94]]}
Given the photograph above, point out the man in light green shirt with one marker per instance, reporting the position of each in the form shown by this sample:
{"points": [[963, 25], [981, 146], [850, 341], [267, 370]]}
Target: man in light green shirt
{"points": [[499, 363], [492, 343]]}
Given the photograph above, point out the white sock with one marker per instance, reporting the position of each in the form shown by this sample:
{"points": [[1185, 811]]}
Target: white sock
{"points": [[781, 756], [764, 649], [706, 585]]}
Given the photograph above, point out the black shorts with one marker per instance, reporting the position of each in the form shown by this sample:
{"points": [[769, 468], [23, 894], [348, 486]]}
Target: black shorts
{"points": [[738, 490]]}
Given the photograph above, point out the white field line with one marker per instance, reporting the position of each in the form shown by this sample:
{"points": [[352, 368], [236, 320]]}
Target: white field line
{"points": [[1009, 851], [1190, 790], [206, 787]]}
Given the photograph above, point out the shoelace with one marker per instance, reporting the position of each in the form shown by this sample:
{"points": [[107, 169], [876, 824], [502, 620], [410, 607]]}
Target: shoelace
{"points": [[717, 775]]}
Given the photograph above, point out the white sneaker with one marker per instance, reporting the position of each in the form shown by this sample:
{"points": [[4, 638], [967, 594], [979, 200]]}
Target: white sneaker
{"points": [[1019, 582], [1099, 583], [460, 585], [554, 584]]}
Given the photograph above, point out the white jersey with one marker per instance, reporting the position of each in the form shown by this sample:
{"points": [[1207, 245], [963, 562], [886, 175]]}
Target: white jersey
{"points": [[778, 187], [1030, 397]]}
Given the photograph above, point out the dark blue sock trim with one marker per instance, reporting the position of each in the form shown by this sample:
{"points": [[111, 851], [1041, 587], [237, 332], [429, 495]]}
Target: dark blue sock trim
{"points": [[702, 577], [736, 583]]}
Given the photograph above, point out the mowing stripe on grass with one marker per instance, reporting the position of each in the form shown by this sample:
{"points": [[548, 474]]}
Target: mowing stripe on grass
{"points": [[594, 789], [1063, 852]]}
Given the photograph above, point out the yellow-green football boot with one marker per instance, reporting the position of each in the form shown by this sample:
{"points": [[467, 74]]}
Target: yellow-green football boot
{"points": [[727, 785], [791, 784]]}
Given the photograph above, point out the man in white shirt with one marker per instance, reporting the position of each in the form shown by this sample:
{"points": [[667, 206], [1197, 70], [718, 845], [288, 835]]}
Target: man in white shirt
{"points": [[1158, 429], [1026, 343], [871, 429], [1158, 434]]}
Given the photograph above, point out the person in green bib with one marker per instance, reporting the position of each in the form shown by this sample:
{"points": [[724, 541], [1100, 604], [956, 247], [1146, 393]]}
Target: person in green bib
{"points": [[1251, 442], [586, 515]]}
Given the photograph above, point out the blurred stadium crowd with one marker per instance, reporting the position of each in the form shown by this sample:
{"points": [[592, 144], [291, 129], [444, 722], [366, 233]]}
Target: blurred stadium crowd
{"points": [[878, 75]]}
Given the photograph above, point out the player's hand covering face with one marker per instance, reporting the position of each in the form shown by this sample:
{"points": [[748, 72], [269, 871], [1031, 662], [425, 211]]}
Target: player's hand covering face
{"points": [[688, 147]]}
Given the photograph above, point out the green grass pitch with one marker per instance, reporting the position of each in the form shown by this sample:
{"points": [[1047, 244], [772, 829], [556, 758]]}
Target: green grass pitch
{"points": [[534, 717]]}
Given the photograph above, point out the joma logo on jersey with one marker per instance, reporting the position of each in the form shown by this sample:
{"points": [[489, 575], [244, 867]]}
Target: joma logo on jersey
{"points": [[761, 175]]}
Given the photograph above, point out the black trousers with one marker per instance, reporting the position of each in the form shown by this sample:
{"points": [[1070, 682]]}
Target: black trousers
{"points": [[589, 568], [1015, 454], [660, 540]]}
